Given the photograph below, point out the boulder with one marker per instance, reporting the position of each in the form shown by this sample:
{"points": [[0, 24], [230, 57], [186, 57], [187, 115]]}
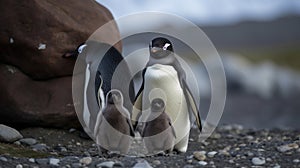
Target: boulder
{"points": [[35, 79]]}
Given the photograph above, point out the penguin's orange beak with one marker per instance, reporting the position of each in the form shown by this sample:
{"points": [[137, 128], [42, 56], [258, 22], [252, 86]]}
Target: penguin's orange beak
{"points": [[155, 49]]}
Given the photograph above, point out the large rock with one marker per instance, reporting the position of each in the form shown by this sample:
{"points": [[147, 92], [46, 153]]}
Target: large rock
{"points": [[8, 134], [35, 80]]}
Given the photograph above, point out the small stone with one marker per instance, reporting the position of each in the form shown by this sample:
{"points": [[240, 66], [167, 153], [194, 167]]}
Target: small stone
{"points": [[78, 143], [19, 166], [277, 166], [199, 155], [76, 165], [17, 143], [86, 160], [216, 136], [8, 134], [142, 164], [54, 161], [71, 130], [28, 141], [249, 137], [11, 40], [40, 147], [212, 153], [71, 159], [288, 147], [189, 161], [118, 164], [249, 154], [269, 160], [296, 160], [156, 162], [202, 163], [188, 166], [32, 160], [258, 161], [231, 161], [42, 46], [42, 161], [4, 159], [108, 164]]}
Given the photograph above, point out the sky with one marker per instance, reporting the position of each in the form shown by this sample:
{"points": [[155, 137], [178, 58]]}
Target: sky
{"points": [[208, 12]]}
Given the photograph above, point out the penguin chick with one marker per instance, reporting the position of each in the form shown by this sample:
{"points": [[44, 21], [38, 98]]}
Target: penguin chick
{"points": [[113, 129], [158, 134]]}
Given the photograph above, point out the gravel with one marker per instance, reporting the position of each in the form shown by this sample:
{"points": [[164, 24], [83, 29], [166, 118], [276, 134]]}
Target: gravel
{"points": [[229, 146]]}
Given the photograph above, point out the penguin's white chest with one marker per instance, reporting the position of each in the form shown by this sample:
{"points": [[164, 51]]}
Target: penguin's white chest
{"points": [[161, 81]]}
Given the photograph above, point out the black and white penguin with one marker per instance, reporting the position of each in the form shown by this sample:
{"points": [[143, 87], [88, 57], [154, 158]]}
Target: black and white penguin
{"points": [[164, 71], [98, 80], [113, 131], [158, 133]]}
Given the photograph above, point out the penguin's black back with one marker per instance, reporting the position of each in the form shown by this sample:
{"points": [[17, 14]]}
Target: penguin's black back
{"points": [[106, 69]]}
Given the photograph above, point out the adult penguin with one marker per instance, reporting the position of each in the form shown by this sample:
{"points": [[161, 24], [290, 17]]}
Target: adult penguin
{"points": [[106, 69], [164, 71]]}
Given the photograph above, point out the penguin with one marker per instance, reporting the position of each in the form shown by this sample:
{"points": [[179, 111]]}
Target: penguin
{"points": [[158, 133], [74, 53], [113, 131], [98, 80], [164, 71]]}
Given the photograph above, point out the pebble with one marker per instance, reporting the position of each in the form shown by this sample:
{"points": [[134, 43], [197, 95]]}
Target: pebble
{"points": [[71, 159], [54, 161], [4, 159], [277, 166], [189, 161], [11, 40], [19, 166], [108, 164], [231, 161], [199, 155], [17, 143], [40, 147], [32, 160], [258, 161], [156, 162], [8, 134], [42, 46], [76, 165], [71, 130], [142, 164], [296, 160], [42, 161], [86, 160], [287, 147], [202, 163], [212, 153], [188, 166], [28, 141]]}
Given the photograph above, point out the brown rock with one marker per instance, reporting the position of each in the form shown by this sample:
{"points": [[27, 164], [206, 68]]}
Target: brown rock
{"points": [[35, 80], [60, 25]]}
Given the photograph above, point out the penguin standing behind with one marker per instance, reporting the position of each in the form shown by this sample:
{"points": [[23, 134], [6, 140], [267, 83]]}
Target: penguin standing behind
{"points": [[105, 69], [158, 133], [164, 71], [113, 130]]}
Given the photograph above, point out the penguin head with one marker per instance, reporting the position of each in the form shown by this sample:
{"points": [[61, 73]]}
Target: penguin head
{"points": [[114, 97], [157, 105], [76, 52], [160, 47]]}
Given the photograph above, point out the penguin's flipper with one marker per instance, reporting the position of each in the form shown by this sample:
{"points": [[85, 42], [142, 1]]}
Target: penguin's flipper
{"points": [[192, 104], [137, 110], [98, 123], [130, 128], [173, 129]]}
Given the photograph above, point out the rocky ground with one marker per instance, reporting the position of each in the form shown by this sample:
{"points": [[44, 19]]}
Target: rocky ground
{"points": [[229, 146]]}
